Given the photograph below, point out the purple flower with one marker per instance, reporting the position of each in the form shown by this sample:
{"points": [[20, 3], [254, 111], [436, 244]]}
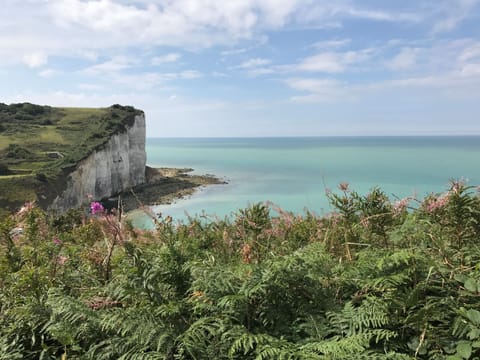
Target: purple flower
{"points": [[56, 241], [96, 207]]}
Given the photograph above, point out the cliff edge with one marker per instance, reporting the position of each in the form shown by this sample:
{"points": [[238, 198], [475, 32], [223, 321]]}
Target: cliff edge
{"points": [[114, 167]]}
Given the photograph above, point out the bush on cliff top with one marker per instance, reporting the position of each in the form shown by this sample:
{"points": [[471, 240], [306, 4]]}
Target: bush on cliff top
{"points": [[373, 279]]}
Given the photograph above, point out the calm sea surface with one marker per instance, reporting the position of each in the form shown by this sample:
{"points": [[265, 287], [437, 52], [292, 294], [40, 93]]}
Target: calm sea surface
{"points": [[294, 173]]}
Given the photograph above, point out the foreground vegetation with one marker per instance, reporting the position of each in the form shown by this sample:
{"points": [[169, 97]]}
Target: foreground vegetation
{"points": [[372, 280], [40, 144]]}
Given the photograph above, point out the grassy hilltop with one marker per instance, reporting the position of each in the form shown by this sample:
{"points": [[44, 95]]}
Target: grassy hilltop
{"points": [[39, 145]]}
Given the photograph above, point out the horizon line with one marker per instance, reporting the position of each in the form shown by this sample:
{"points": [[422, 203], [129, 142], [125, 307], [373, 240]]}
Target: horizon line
{"points": [[312, 136]]}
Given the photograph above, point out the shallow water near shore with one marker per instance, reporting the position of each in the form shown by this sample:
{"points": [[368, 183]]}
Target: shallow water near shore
{"points": [[293, 173]]}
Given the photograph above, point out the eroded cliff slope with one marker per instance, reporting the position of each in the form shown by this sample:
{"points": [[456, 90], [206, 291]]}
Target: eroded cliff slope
{"points": [[114, 167]]}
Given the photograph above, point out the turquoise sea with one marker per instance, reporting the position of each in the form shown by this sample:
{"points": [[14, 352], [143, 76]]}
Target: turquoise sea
{"points": [[293, 173]]}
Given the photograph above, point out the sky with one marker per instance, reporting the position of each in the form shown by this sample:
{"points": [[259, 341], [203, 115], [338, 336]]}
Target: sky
{"points": [[215, 68]]}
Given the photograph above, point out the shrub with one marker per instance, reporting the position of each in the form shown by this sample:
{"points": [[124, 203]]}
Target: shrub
{"points": [[41, 177], [16, 151], [4, 170]]}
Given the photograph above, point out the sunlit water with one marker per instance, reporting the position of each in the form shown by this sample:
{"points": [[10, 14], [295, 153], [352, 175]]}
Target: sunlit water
{"points": [[294, 173]]}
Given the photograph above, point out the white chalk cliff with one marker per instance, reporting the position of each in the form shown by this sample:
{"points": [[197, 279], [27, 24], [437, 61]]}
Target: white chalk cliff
{"points": [[115, 167]]}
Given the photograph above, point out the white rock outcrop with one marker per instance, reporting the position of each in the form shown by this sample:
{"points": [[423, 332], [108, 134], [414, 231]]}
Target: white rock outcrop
{"points": [[115, 167]]}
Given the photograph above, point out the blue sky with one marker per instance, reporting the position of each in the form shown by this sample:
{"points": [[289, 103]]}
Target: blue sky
{"points": [[252, 67]]}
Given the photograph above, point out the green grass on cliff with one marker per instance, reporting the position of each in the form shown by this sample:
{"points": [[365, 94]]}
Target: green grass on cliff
{"points": [[38, 144]]}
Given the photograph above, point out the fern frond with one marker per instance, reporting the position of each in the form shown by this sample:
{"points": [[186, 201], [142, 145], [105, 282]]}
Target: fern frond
{"points": [[10, 350], [200, 336], [338, 347], [353, 320]]}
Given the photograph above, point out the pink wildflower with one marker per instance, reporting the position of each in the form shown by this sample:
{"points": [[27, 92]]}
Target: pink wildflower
{"points": [[438, 203], [56, 241], [96, 207], [335, 217], [62, 259], [343, 186], [400, 205], [457, 185], [365, 222], [26, 208]]}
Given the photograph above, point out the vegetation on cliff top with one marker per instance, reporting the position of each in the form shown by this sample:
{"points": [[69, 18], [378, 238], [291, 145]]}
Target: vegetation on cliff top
{"points": [[40, 143], [375, 279]]}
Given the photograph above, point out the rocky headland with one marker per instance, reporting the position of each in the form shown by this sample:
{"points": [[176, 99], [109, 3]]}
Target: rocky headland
{"points": [[63, 158]]}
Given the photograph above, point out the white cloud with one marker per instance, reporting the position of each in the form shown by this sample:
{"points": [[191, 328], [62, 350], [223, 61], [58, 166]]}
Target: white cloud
{"points": [[168, 58], [103, 15], [88, 55], [453, 84], [444, 69], [253, 63], [312, 85], [218, 74], [113, 65], [452, 13], [319, 90], [147, 80], [233, 51], [142, 81], [331, 44], [471, 70], [443, 57], [184, 23], [88, 25], [325, 62], [379, 15], [47, 73], [468, 61], [260, 71], [257, 66], [324, 13], [35, 60], [404, 60], [333, 62], [471, 52], [91, 29], [190, 74]]}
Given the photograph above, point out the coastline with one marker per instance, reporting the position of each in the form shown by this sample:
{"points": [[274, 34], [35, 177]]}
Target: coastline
{"points": [[164, 186]]}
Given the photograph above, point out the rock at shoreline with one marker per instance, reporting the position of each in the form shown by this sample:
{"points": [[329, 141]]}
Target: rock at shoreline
{"points": [[164, 186]]}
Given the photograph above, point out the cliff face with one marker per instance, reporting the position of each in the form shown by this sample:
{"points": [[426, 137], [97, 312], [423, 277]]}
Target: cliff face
{"points": [[116, 166]]}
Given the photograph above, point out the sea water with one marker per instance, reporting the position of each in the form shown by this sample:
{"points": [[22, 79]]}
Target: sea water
{"points": [[295, 173]]}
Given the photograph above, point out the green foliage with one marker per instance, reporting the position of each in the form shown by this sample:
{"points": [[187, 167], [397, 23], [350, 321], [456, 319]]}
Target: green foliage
{"points": [[370, 281]]}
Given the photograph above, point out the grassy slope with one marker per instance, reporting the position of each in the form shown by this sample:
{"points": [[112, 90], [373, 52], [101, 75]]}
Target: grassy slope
{"points": [[29, 132]]}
